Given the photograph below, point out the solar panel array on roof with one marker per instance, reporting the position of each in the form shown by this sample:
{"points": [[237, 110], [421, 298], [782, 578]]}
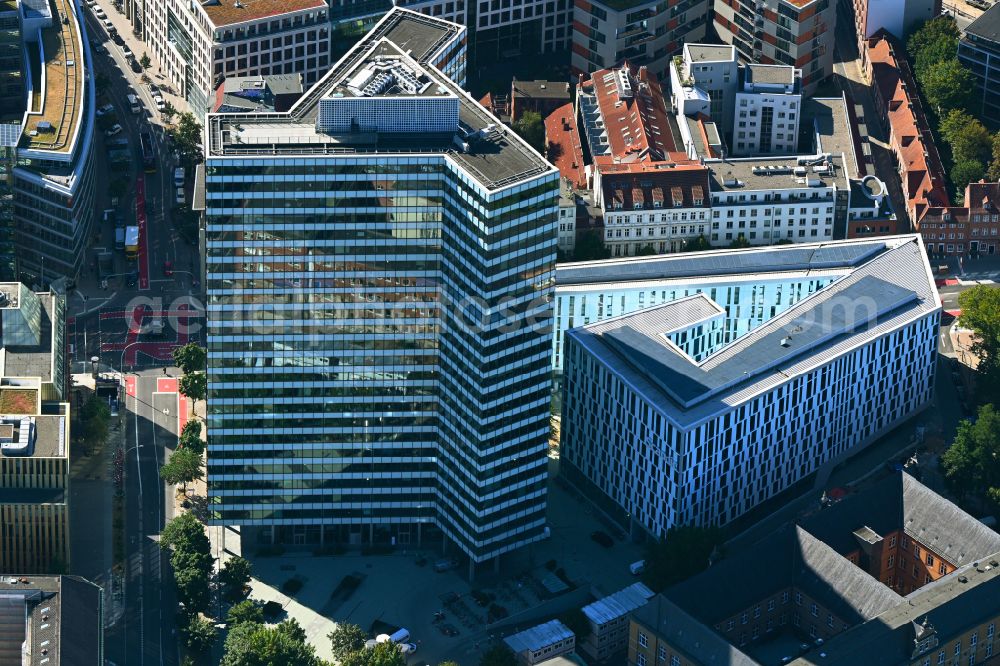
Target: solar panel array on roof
{"points": [[777, 258]]}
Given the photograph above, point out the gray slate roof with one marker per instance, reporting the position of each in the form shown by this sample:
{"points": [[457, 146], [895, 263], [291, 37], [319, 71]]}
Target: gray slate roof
{"points": [[683, 632], [987, 26], [789, 557], [901, 502]]}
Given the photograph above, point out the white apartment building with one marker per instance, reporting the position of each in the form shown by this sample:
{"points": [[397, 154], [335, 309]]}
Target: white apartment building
{"points": [[767, 110], [667, 423], [200, 43], [705, 81], [652, 207], [567, 218]]}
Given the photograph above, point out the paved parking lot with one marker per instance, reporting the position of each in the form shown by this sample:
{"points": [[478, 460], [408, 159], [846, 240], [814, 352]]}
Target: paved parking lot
{"points": [[402, 589]]}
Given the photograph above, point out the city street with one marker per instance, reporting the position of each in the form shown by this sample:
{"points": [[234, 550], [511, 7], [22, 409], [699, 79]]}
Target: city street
{"points": [[147, 631]]}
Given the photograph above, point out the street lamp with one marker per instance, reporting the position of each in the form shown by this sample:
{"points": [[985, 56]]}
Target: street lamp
{"points": [[122, 363]]}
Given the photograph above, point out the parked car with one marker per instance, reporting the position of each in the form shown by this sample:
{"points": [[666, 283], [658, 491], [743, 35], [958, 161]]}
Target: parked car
{"points": [[154, 90], [106, 109], [108, 25], [113, 130], [98, 12], [445, 564], [136, 67], [180, 195], [161, 105], [118, 39], [602, 538], [127, 52]]}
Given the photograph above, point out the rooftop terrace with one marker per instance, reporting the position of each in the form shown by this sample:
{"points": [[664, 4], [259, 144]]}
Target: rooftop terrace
{"points": [[53, 126], [491, 153], [230, 12]]}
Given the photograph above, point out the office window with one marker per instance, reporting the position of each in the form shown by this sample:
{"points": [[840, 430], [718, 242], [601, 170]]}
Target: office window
{"points": [[642, 639]]}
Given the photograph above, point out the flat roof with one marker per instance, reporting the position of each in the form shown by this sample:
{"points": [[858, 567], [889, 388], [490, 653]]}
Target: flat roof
{"points": [[54, 619], [229, 12], [710, 53], [541, 89], [62, 99], [539, 637], [50, 432], [30, 360], [799, 257], [615, 605], [772, 173], [889, 290], [832, 129], [775, 74], [496, 157]]}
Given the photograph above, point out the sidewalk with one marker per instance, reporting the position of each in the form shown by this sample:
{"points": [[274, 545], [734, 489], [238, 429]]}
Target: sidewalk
{"points": [[139, 48]]}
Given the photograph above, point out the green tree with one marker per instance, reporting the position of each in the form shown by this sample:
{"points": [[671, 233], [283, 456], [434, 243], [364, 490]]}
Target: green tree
{"points": [[646, 250], [590, 246], [345, 639], [699, 244], [186, 135], [194, 385], [981, 313], [972, 463], [498, 655], [144, 61], [381, 654], [968, 138], [993, 172], [169, 111], [251, 644], [94, 417], [235, 574], [948, 85], [246, 611], [531, 128], [683, 552], [192, 588], [185, 533], [965, 172], [739, 242], [183, 467], [190, 358], [576, 621], [200, 634], [785, 241], [938, 29], [191, 437]]}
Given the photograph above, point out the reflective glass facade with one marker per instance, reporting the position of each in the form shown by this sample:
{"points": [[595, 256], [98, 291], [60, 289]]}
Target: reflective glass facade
{"points": [[379, 340]]}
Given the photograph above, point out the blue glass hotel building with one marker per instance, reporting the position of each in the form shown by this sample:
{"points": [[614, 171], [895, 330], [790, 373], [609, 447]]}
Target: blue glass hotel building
{"points": [[380, 264]]}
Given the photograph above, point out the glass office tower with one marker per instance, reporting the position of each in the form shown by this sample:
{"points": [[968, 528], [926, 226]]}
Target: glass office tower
{"points": [[379, 270]]}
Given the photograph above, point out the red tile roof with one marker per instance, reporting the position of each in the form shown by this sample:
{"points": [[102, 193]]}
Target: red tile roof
{"points": [[655, 184], [564, 147], [634, 112], [910, 137]]}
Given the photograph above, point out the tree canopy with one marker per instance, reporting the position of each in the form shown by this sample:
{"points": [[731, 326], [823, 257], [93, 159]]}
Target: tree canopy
{"points": [[252, 644], [190, 558], [346, 638], [190, 358], [981, 312], [590, 246], [200, 634], [531, 128], [245, 611], [972, 463], [187, 137], [498, 655], [934, 42], [194, 385], [948, 85], [381, 654], [682, 553], [183, 467], [699, 244]]}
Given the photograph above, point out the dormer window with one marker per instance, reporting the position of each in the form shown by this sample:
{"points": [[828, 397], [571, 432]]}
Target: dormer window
{"points": [[618, 205], [656, 204], [637, 205], [699, 202]]}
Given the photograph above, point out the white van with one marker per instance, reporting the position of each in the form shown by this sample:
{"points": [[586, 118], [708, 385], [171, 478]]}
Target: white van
{"points": [[401, 636], [133, 104]]}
